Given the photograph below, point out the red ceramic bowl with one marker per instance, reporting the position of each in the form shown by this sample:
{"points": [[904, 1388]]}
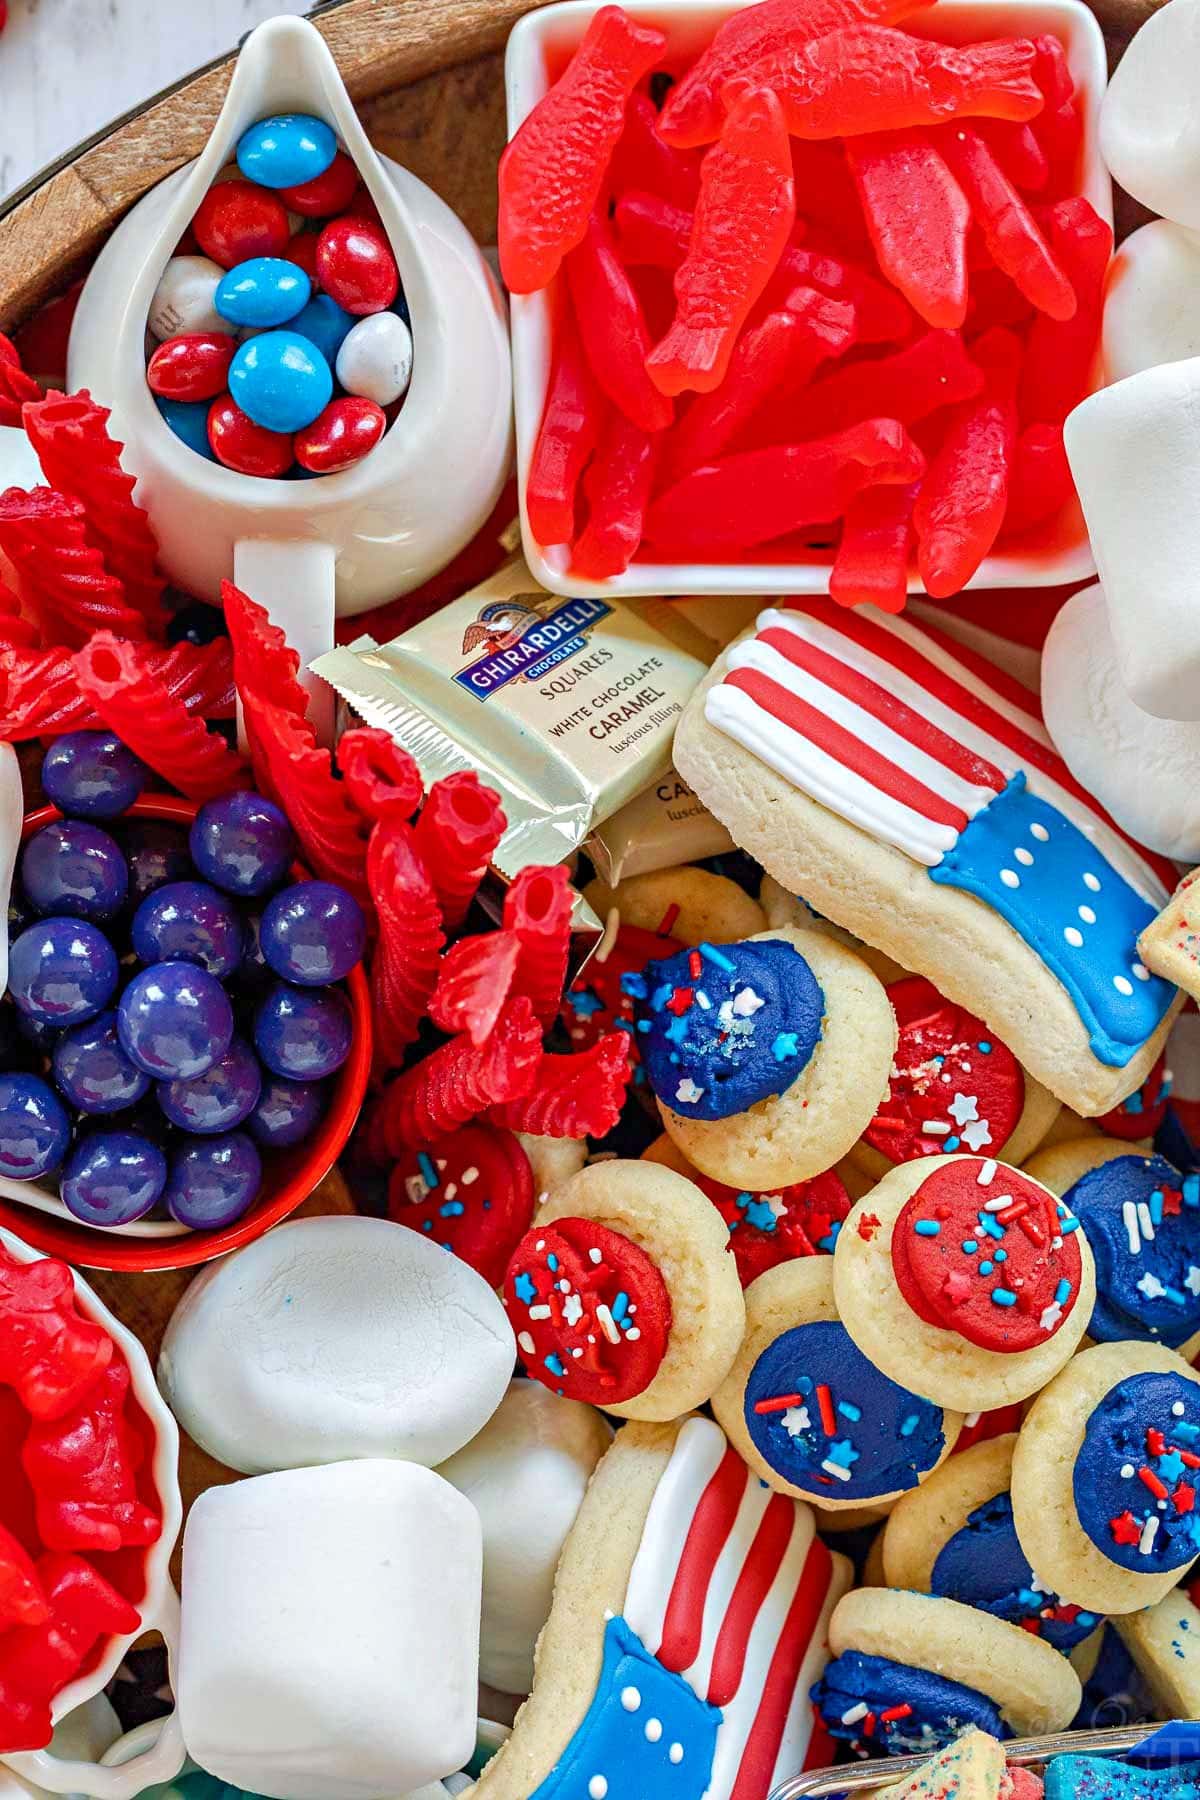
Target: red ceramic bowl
{"points": [[288, 1177]]}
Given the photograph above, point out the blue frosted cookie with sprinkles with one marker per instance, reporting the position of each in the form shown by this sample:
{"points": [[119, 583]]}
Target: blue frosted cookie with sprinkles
{"points": [[1106, 1477], [767, 1057], [1142, 1219], [808, 1411]]}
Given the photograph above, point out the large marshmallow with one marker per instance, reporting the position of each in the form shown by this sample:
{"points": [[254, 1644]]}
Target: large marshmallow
{"points": [[525, 1474], [1134, 451], [1152, 304], [1150, 123], [336, 1337], [1146, 771], [330, 1630]]}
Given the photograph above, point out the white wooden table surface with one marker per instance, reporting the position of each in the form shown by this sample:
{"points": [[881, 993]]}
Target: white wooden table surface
{"points": [[69, 66]]}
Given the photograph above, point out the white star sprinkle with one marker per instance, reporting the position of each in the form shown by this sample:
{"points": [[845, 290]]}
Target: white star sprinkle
{"points": [[776, 1204], [746, 1001], [1191, 1280], [976, 1134], [1151, 1286], [687, 1093], [795, 1420], [963, 1108]]}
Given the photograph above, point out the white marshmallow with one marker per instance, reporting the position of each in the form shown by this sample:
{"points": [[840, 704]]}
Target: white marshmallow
{"points": [[1134, 451], [183, 299], [376, 358], [1146, 771], [1152, 304], [329, 1631], [332, 1338], [1149, 121], [525, 1474]]}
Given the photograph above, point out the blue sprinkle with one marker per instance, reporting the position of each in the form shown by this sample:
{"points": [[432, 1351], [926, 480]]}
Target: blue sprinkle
{"points": [[554, 1364], [1185, 1430], [984, 1046], [927, 1228], [804, 1385], [951, 1143], [634, 985], [1067, 1226], [524, 1289], [620, 1307], [1062, 1293], [970, 1246], [677, 1030], [843, 1453], [910, 1424], [1174, 1296], [429, 1174], [1191, 1190], [1003, 1297], [1156, 1206], [717, 957], [645, 1025], [623, 1025], [985, 1268], [989, 1226], [661, 995], [1001, 1255], [552, 1262], [426, 1224], [849, 1411], [785, 1045], [451, 1209]]}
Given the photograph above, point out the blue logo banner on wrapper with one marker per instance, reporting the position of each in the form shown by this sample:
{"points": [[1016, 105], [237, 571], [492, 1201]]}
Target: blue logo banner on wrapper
{"points": [[553, 638]]}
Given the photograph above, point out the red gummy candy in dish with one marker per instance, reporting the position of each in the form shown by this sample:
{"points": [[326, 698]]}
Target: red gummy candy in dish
{"points": [[472, 1193], [49, 1356], [83, 1471], [590, 1309]]}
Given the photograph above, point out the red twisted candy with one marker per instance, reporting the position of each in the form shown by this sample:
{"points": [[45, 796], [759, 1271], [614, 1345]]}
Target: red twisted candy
{"points": [[381, 778], [404, 967], [62, 575], [37, 1661], [292, 769], [136, 703], [40, 693], [537, 910], [81, 459], [82, 1469], [459, 1081], [473, 983], [460, 825], [49, 1356], [14, 627], [16, 387], [574, 1096], [22, 1601], [262, 657]]}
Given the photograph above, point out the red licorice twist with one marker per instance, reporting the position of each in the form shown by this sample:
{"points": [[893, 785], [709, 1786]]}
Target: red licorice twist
{"points": [[62, 575], [404, 966], [40, 694], [537, 910], [573, 1096], [292, 769], [263, 660], [14, 627], [460, 1081], [381, 778], [16, 387], [460, 825], [473, 984]]}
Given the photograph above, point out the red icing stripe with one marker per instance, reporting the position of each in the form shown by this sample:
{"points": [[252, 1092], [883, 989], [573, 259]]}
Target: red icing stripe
{"points": [[779, 1689], [845, 748], [886, 707], [754, 1581], [711, 1524]]}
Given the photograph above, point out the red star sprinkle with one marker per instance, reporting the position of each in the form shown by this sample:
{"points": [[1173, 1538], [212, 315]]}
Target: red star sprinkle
{"points": [[1126, 1529], [1184, 1498]]}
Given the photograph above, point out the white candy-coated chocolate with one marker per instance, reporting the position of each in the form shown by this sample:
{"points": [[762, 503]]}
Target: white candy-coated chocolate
{"points": [[1146, 771], [183, 299], [332, 1338], [376, 358], [525, 1474], [1150, 123], [1152, 302], [1134, 449], [329, 1631]]}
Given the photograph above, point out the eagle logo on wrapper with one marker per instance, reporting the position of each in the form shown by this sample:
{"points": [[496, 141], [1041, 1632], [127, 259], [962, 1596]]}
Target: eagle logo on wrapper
{"points": [[523, 638]]}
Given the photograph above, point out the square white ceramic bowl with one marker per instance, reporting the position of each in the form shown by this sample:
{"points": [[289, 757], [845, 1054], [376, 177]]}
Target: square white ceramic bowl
{"points": [[539, 45]]}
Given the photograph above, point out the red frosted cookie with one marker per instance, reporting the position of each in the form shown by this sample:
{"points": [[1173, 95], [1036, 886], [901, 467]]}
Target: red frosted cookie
{"points": [[770, 1228], [471, 1192], [596, 1001], [1141, 1114]]}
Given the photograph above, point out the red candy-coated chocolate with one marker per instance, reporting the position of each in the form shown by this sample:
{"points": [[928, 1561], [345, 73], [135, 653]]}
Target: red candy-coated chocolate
{"points": [[243, 446], [471, 1193], [981, 1250], [356, 267], [951, 1084], [563, 1291], [1144, 1111], [767, 1229], [303, 252], [49, 1356], [237, 220], [326, 194], [192, 367], [83, 1468], [573, 1096], [341, 435]]}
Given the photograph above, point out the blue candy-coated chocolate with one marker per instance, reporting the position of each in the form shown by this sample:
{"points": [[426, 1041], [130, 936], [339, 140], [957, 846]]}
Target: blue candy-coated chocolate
{"points": [[217, 1100], [883, 1439], [1147, 1282], [1101, 1778], [62, 971], [287, 1112], [1134, 1493], [264, 291], [188, 419], [113, 1178], [286, 150], [983, 1565], [856, 1685], [242, 843], [92, 775], [76, 868], [174, 1020], [35, 1129], [280, 380], [325, 324], [189, 921], [720, 1029], [303, 1033], [156, 853], [312, 933], [93, 1072], [213, 1181]]}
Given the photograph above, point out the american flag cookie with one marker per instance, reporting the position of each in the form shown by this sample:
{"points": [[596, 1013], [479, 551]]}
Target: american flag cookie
{"points": [[623, 1293], [811, 1414], [1105, 1477], [912, 1672], [690, 1616], [909, 790], [1142, 1219], [767, 1057]]}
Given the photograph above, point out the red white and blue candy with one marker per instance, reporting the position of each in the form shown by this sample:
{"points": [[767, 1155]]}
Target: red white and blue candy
{"points": [[1135, 1477], [1142, 1219]]}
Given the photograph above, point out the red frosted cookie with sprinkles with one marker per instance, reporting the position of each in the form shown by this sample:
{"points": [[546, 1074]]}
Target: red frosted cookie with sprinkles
{"points": [[596, 1001], [966, 1279], [621, 1294], [472, 1193]]}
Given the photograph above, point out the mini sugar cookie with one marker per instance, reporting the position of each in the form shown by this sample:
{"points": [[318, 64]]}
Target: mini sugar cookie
{"points": [[1142, 1221], [1137, 1119], [911, 1672], [971, 1768], [806, 1409], [800, 1219], [690, 1615], [552, 1160], [598, 1000], [1170, 944], [623, 1293], [1164, 1642], [473, 1193], [693, 905], [954, 1537], [967, 1279], [1104, 1476], [952, 1086], [782, 908], [908, 789], [767, 1057]]}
